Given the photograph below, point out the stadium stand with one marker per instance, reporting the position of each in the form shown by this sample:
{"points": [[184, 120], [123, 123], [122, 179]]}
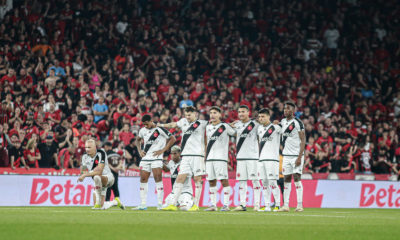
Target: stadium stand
{"points": [[77, 69]]}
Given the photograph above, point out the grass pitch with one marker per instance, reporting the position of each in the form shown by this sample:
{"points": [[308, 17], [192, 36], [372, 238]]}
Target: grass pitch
{"points": [[83, 223]]}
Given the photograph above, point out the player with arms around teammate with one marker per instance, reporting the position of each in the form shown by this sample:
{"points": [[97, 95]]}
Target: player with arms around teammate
{"points": [[185, 201], [217, 134], [95, 165], [192, 163], [268, 166], [156, 140], [247, 157], [293, 142]]}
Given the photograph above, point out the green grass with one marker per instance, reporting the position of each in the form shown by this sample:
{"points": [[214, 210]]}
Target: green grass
{"points": [[83, 223]]}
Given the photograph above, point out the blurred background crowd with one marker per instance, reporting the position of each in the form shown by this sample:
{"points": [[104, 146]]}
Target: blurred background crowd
{"points": [[75, 69]]}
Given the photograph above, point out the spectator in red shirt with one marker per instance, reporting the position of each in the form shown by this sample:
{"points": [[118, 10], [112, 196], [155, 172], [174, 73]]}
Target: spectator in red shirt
{"points": [[10, 77], [125, 135]]}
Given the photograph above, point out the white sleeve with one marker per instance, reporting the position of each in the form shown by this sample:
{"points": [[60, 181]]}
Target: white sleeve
{"points": [[165, 133], [141, 133], [230, 130], [181, 122]]}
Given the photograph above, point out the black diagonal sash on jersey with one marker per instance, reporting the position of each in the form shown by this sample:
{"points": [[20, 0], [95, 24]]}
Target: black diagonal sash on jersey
{"points": [[190, 130], [243, 136], [99, 158], [153, 137], [214, 137], [288, 130], [266, 135], [175, 173]]}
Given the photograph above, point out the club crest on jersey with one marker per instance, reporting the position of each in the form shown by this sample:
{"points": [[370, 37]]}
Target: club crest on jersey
{"points": [[291, 127], [195, 125], [220, 130], [96, 162], [270, 131], [249, 127], [155, 134]]}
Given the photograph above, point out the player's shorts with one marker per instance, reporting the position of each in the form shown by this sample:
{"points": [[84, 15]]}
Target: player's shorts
{"points": [[246, 170], [110, 182], [192, 165], [147, 165], [216, 170], [268, 170], [289, 165]]}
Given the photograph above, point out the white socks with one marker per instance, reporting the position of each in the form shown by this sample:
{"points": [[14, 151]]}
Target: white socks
{"points": [[143, 193], [160, 192], [213, 196], [177, 192], [275, 192], [198, 189], [266, 193], [286, 193], [97, 189], [227, 194], [243, 193], [257, 192], [299, 192]]}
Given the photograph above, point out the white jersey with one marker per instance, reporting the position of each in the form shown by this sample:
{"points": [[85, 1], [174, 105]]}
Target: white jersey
{"points": [[269, 139], [246, 140], [154, 140], [218, 141], [174, 170], [291, 137], [193, 137], [92, 162]]}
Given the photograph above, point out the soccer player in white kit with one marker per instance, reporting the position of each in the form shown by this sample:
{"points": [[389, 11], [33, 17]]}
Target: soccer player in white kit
{"points": [[269, 137], [156, 140], [218, 134], [293, 142], [192, 145], [247, 157], [185, 200], [95, 165]]}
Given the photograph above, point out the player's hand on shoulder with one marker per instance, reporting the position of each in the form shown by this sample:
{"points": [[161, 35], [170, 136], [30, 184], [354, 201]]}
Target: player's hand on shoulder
{"points": [[142, 153]]}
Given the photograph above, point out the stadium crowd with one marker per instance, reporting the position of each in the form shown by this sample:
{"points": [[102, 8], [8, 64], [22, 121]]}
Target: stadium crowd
{"points": [[75, 69]]}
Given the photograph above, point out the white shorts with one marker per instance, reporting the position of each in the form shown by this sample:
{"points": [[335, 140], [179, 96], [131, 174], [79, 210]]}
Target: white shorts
{"points": [[185, 201], [268, 170], [216, 170], [289, 165], [148, 165], [246, 170], [110, 182], [192, 165]]}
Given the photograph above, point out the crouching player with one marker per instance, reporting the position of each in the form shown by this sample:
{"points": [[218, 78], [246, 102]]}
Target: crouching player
{"points": [[95, 165], [185, 199], [268, 169]]}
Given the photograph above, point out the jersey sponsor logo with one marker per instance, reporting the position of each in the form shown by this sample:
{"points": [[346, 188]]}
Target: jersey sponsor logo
{"points": [[214, 138], [243, 136], [151, 140], [266, 137], [189, 133]]}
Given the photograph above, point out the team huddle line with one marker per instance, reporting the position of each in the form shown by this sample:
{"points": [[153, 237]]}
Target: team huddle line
{"points": [[204, 151]]}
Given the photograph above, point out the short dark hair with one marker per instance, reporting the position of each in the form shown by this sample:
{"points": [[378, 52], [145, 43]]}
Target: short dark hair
{"points": [[290, 104], [216, 109], [264, 111], [109, 144], [190, 109], [245, 107], [146, 118]]}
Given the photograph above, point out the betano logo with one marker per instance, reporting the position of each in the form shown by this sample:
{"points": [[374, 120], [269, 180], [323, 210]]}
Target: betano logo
{"points": [[75, 194], [382, 197]]}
